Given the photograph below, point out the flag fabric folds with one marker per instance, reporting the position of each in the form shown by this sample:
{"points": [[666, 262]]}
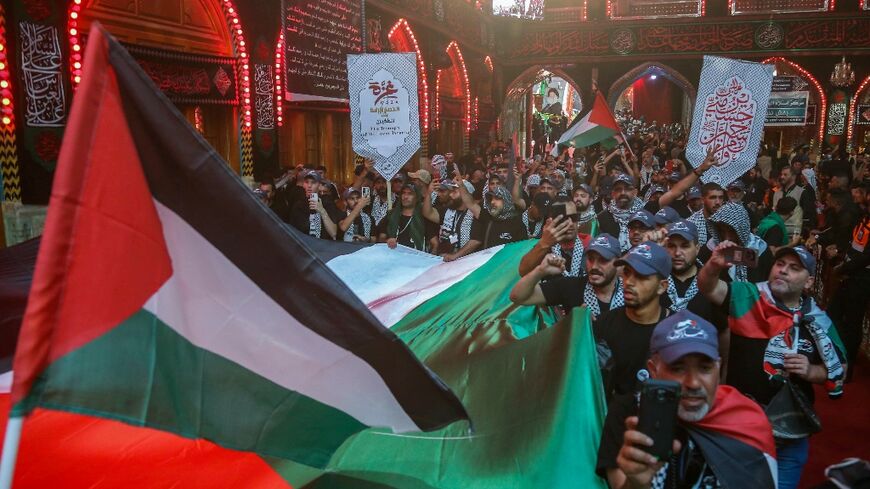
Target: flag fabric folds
{"points": [[597, 126], [166, 296]]}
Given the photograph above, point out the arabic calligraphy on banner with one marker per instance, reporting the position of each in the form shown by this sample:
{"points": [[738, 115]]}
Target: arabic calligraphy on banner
{"points": [[383, 90], [42, 70], [788, 103], [732, 98], [319, 34], [264, 103]]}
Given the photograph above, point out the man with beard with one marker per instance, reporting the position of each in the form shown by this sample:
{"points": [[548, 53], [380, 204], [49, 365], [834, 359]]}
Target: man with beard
{"points": [[694, 201], [379, 205], [682, 245], [306, 211], [498, 224], [713, 197], [587, 222], [781, 343], [624, 203], [723, 439], [561, 238], [533, 227], [358, 225], [678, 187], [804, 217], [457, 219], [627, 330], [641, 227], [600, 290], [405, 224]]}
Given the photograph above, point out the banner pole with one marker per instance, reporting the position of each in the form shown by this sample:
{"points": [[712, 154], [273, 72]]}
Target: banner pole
{"points": [[10, 451]]}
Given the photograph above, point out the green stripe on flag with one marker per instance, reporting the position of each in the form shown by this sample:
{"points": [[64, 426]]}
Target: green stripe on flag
{"points": [[146, 374], [533, 392], [744, 296], [594, 135]]}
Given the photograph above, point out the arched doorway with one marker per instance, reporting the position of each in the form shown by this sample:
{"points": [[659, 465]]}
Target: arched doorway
{"points": [[653, 92], [786, 138], [175, 37], [403, 40], [452, 104], [483, 106], [539, 103], [859, 116]]}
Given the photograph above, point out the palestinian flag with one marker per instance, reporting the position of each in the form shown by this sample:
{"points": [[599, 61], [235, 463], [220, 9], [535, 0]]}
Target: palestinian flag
{"points": [[597, 126], [166, 296], [737, 441], [531, 384]]}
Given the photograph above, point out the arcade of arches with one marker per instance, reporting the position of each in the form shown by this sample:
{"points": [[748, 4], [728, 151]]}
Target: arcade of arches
{"points": [[482, 78]]}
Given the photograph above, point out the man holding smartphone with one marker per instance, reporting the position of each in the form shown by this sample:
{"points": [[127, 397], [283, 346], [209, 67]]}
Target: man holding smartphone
{"points": [[721, 438]]}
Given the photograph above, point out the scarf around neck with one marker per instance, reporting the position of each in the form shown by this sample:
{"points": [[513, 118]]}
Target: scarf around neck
{"points": [[621, 216], [591, 300], [576, 269]]}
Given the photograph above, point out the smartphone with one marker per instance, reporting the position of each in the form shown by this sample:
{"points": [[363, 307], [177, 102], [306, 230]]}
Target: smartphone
{"points": [[558, 209], [366, 192], [739, 255], [657, 417], [313, 198]]}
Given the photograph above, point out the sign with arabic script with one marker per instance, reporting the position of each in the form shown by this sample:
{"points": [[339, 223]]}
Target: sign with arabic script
{"points": [[318, 34], [729, 116], [384, 108], [787, 109]]}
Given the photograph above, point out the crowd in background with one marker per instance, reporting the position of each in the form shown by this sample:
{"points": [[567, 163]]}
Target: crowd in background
{"points": [[632, 233]]}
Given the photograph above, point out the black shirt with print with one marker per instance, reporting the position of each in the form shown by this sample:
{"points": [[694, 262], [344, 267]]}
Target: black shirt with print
{"points": [[629, 343]]}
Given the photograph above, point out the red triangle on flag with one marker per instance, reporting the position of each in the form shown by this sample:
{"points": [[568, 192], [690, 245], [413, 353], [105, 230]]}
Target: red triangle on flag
{"points": [[601, 115]]}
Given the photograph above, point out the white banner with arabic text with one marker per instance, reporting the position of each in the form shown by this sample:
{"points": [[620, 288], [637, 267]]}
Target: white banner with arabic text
{"points": [[384, 110], [729, 116]]}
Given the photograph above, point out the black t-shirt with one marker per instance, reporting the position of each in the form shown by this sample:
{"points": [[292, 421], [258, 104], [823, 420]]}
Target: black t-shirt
{"points": [[682, 208], [629, 344], [746, 364], [607, 224], [568, 292], [699, 304], [493, 232], [612, 437]]}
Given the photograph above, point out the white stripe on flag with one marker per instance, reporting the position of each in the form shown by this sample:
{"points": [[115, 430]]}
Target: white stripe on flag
{"points": [[377, 270], [6, 382], [215, 306]]}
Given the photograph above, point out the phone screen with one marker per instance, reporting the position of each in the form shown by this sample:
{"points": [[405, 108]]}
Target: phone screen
{"points": [[558, 209], [739, 255], [657, 415]]}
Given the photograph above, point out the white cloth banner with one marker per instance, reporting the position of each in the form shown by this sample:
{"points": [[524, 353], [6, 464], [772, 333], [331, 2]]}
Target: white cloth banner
{"points": [[729, 116], [384, 110]]}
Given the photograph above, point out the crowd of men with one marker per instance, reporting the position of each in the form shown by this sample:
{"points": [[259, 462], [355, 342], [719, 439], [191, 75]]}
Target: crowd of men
{"points": [[657, 257]]}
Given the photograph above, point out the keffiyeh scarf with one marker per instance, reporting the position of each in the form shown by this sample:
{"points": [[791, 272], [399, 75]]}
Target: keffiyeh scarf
{"points": [[591, 300], [576, 269], [315, 224], [621, 216], [379, 209], [534, 231], [679, 303], [463, 227], [366, 227]]}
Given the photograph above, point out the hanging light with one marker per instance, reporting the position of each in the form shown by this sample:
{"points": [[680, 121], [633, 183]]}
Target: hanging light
{"points": [[843, 75]]}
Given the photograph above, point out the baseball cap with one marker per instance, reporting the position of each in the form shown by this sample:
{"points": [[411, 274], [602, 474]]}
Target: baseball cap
{"points": [[806, 258], [644, 217], [533, 181], [398, 176], [667, 215], [737, 185], [312, 174], [681, 334], [648, 258], [586, 188], [468, 186], [605, 245], [350, 191], [657, 189], [686, 229], [675, 176], [623, 178], [694, 193], [422, 175]]}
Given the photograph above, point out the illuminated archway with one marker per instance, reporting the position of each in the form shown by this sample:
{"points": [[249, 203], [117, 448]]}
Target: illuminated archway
{"points": [[223, 16], [402, 38], [850, 126], [453, 82], [652, 71], [823, 100]]}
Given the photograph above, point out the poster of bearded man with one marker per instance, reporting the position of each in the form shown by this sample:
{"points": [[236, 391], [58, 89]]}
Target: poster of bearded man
{"points": [[729, 116]]}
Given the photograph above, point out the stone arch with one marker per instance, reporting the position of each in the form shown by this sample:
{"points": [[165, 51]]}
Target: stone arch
{"points": [[651, 68]]}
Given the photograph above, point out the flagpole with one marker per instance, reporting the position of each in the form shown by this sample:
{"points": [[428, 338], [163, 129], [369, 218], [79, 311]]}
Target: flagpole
{"points": [[10, 451]]}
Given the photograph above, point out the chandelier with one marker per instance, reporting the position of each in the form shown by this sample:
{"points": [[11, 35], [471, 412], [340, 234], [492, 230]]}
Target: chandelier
{"points": [[843, 76]]}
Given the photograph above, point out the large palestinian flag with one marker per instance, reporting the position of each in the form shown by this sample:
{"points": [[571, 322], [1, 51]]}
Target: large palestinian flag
{"points": [[531, 385], [165, 295], [597, 126]]}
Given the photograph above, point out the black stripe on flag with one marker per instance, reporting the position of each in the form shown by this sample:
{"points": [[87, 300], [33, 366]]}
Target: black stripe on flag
{"points": [[187, 176]]}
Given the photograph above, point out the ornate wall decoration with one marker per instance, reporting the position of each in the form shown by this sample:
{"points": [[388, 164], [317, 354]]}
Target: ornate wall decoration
{"points": [[837, 118], [725, 37], [189, 78], [769, 36], [42, 73], [622, 41], [264, 92]]}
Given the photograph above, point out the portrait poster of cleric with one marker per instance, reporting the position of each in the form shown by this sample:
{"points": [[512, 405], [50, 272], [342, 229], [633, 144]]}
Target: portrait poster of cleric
{"points": [[384, 108], [729, 116]]}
